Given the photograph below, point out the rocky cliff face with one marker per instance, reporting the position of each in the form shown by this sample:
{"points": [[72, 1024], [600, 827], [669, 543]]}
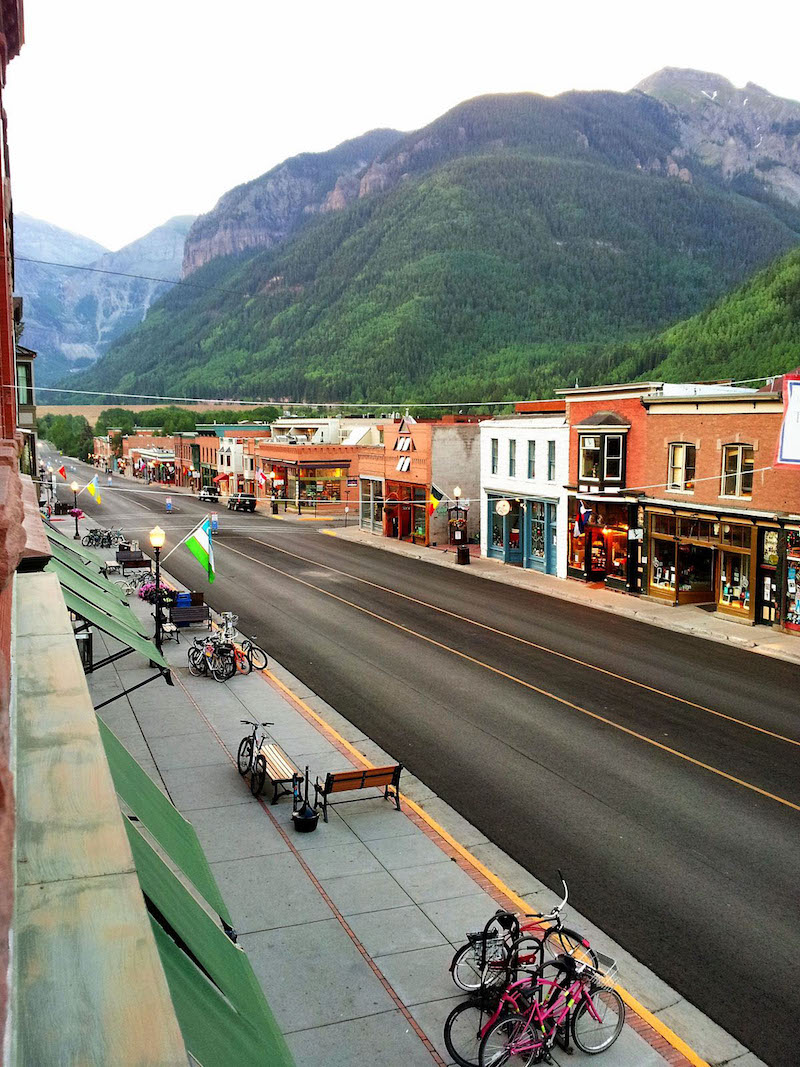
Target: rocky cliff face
{"points": [[71, 316], [739, 131], [265, 211]]}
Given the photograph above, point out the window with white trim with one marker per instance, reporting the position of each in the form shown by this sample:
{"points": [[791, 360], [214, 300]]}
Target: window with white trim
{"points": [[738, 462], [681, 469], [495, 453], [512, 458]]}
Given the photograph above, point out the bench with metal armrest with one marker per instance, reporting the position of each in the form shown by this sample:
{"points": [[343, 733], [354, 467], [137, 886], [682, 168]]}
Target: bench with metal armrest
{"points": [[345, 781], [280, 770], [186, 614]]}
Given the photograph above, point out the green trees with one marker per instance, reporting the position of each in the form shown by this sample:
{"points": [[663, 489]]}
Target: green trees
{"points": [[71, 434]]}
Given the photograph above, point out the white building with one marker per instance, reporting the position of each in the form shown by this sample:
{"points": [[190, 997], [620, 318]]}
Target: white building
{"points": [[524, 471], [339, 430]]}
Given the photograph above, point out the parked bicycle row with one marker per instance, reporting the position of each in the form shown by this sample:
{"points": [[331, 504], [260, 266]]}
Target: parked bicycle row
{"points": [[99, 538], [532, 985], [221, 656]]}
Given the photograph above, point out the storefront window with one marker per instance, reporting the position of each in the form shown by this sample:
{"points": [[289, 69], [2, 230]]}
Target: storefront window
{"points": [[698, 529], [577, 549], [617, 550], [735, 536], [497, 528], [537, 528], [769, 553], [662, 566], [663, 524], [735, 580], [792, 620]]}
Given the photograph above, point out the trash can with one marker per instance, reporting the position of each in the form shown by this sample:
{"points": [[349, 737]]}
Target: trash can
{"points": [[462, 555], [84, 643]]}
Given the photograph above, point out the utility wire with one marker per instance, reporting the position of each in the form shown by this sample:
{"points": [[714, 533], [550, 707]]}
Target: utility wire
{"points": [[137, 277]]}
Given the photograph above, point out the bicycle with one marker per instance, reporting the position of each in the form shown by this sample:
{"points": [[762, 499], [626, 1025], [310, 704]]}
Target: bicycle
{"points": [[256, 654], [249, 758], [491, 958], [531, 1012], [209, 655], [132, 583]]}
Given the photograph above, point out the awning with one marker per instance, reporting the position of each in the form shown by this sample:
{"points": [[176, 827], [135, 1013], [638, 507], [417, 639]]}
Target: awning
{"points": [[90, 572], [221, 477], [174, 834], [111, 605], [58, 538], [221, 1009]]}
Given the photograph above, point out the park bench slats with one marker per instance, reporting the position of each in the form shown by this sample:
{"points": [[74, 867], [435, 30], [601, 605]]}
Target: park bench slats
{"points": [[280, 769], [345, 781]]}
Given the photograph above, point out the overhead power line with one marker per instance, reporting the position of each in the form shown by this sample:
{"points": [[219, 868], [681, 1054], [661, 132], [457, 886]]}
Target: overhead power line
{"points": [[137, 277]]}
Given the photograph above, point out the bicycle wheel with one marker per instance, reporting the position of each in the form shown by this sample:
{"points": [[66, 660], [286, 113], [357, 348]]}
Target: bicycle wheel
{"points": [[510, 1040], [566, 942], [463, 1031], [220, 668], [243, 662], [596, 1035], [244, 757], [124, 586], [259, 775], [524, 957], [258, 657], [197, 661], [86, 540], [470, 971]]}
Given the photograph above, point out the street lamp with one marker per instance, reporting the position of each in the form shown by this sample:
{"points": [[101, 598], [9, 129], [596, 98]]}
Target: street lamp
{"points": [[457, 495], [74, 488], [272, 492], [157, 539]]}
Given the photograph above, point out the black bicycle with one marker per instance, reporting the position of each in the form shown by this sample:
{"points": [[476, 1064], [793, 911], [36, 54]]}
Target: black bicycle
{"points": [[249, 758]]}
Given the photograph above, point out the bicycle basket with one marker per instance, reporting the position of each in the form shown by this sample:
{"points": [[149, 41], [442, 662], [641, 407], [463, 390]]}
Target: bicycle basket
{"points": [[605, 973]]}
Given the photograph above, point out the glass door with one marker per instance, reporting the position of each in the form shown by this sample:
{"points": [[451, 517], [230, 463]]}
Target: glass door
{"points": [[513, 533]]}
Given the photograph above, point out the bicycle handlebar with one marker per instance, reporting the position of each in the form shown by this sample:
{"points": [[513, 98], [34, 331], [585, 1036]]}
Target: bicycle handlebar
{"points": [[555, 912]]}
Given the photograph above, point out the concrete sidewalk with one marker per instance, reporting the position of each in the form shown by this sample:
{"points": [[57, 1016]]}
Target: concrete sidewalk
{"points": [[350, 929], [687, 619]]}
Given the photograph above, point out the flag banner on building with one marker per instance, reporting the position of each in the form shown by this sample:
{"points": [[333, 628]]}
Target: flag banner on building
{"points": [[262, 479], [789, 439], [435, 499], [63, 472], [93, 489], [200, 544], [583, 516]]}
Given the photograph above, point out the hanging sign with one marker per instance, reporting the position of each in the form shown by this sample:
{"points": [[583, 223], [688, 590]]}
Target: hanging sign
{"points": [[789, 439], [352, 483], [502, 507]]}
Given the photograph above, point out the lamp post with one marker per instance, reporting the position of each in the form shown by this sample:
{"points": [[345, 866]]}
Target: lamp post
{"points": [[157, 538], [74, 488], [272, 492], [457, 496]]}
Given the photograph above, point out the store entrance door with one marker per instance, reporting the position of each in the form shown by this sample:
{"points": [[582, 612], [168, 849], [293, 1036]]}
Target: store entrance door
{"points": [[513, 534]]}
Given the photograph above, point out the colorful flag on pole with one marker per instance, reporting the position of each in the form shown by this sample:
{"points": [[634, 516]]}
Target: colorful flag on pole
{"points": [[93, 488], [788, 454], [583, 516], [201, 546], [63, 472], [435, 499], [262, 479]]}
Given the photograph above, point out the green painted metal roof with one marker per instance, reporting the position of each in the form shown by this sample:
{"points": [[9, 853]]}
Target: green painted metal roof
{"points": [[238, 998], [97, 617], [61, 539], [94, 594], [90, 572], [162, 819]]}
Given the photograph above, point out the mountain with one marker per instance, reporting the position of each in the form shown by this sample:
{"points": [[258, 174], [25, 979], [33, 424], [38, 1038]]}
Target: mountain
{"points": [[71, 316], [265, 211], [750, 135], [513, 244]]}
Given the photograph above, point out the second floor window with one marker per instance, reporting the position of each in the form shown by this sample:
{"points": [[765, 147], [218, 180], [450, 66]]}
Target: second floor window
{"points": [[737, 470], [590, 457], [512, 458], [681, 467], [494, 454], [551, 461], [531, 459], [613, 458], [601, 458]]}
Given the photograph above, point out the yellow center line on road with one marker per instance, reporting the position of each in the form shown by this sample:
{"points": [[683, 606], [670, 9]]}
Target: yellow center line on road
{"points": [[538, 647], [527, 685]]}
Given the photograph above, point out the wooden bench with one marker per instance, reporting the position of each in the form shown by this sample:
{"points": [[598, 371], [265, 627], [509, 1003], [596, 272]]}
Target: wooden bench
{"points": [[186, 614], [280, 770], [344, 781]]}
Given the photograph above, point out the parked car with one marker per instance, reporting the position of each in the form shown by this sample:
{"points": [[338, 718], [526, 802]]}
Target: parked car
{"points": [[241, 502], [209, 493]]}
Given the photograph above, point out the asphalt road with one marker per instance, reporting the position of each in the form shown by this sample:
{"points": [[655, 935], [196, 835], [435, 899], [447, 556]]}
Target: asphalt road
{"points": [[659, 771]]}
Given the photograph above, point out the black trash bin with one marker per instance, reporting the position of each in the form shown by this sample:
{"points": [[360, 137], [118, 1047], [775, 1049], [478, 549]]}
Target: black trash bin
{"points": [[462, 555]]}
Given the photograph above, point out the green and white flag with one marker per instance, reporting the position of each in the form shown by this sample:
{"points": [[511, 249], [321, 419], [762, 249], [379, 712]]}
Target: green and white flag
{"points": [[200, 545]]}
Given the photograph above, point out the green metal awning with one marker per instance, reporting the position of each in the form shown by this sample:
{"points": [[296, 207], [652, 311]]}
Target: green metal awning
{"points": [[162, 819], [111, 605], [64, 542], [97, 617], [91, 572], [214, 990]]}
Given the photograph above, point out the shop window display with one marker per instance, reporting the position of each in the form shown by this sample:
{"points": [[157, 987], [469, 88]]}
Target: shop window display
{"points": [[792, 620], [590, 457], [537, 528], [617, 552], [695, 569], [735, 580], [662, 564]]}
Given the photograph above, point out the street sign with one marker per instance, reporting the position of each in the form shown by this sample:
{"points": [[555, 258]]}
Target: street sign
{"points": [[168, 502], [214, 522], [502, 507], [352, 483]]}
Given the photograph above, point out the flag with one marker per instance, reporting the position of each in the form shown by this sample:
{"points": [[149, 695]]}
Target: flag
{"points": [[583, 516], [262, 479], [63, 472], [788, 454], [93, 489], [200, 545], [435, 499]]}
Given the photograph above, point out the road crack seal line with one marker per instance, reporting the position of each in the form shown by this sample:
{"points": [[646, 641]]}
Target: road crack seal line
{"points": [[534, 688]]}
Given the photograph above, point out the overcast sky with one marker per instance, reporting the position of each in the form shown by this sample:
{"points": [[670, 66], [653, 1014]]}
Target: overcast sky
{"points": [[123, 113]]}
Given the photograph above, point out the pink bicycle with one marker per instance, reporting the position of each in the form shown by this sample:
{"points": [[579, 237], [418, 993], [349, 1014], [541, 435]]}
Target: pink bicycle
{"points": [[530, 1013]]}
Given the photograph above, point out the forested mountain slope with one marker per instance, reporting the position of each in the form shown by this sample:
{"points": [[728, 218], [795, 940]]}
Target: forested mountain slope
{"points": [[515, 244]]}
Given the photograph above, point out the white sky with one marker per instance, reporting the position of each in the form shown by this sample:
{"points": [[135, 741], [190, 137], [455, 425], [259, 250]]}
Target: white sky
{"points": [[123, 113]]}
